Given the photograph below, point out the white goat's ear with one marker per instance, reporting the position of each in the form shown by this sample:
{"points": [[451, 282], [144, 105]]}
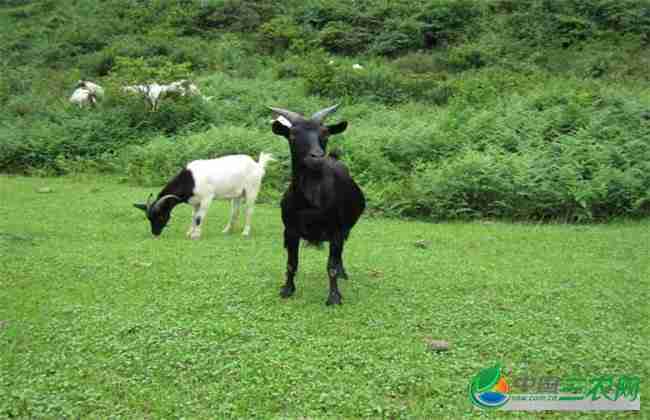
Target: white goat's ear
{"points": [[284, 121]]}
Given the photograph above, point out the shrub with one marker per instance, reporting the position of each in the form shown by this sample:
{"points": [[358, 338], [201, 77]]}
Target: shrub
{"points": [[154, 69], [420, 63], [97, 65], [236, 57], [279, 34], [290, 68], [397, 36], [235, 15], [375, 82], [471, 185], [44, 137], [449, 20], [521, 109], [465, 57], [343, 38]]}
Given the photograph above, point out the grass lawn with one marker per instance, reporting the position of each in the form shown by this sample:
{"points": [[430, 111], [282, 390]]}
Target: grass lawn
{"points": [[98, 320]]}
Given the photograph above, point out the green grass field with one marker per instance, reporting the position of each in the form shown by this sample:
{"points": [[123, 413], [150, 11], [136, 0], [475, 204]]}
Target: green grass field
{"points": [[97, 320]]}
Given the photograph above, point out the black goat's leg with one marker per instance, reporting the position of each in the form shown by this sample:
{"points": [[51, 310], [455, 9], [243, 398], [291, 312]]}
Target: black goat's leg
{"points": [[334, 270], [342, 272], [292, 243]]}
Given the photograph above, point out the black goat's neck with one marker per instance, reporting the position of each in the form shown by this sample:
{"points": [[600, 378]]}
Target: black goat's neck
{"points": [[296, 169], [300, 171]]}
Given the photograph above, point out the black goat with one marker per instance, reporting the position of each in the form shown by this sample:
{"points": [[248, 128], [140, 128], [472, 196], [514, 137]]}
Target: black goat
{"points": [[322, 202]]}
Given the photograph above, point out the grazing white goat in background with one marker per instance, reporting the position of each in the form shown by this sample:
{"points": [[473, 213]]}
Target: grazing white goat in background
{"points": [[183, 87], [82, 96], [94, 88], [234, 177], [357, 67], [152, 93]]}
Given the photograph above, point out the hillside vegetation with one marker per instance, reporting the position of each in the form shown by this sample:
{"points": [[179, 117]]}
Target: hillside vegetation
{"points": [[525, 109]]}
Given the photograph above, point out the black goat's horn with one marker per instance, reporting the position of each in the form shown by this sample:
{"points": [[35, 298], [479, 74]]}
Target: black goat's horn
{"points": [[323, 113], [293, 117]]}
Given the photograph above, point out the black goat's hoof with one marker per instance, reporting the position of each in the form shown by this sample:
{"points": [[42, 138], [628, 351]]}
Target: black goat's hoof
{"points": [[287, 291], [334, 299]]}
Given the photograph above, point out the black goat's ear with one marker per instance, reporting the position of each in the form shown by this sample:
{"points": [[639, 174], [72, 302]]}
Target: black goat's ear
{"points": [[142, 207], [280, 129], [337, 128]]}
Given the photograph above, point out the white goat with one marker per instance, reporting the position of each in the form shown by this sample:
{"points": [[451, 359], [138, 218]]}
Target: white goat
{"points": [[152, 93], [183, 87], [83, 96], [233, 177], [94, 88], [357, 67]]}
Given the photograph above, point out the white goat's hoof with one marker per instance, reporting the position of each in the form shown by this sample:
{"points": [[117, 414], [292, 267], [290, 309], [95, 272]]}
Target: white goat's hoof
{"points": [[195, 236], [227, 229], [246, 232]]}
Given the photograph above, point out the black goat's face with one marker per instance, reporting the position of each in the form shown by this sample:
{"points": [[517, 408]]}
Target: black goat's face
{"points": [[307, 137]]}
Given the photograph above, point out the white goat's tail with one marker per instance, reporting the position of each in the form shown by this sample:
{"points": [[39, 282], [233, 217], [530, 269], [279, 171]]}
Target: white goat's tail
{"points": [[264, 159]]}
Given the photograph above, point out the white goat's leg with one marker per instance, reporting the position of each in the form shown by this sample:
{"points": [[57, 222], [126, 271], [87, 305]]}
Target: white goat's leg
{"points": [[195, 209], [251, 196], [199, 218], [234, 215]]}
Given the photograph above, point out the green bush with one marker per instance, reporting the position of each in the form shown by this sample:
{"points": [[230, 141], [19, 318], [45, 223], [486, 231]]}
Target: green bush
{"points": [[473, 184], [396, 37], [518, 109], [280, 34], [343, 38], [98, 64], [234, 15], [42, 137], [466, 57], [421, 63], [289, 68], [450, 20], [374, 82]]}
